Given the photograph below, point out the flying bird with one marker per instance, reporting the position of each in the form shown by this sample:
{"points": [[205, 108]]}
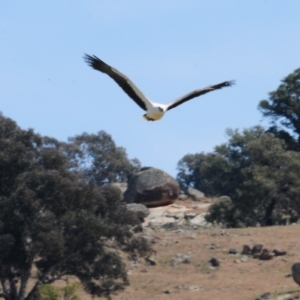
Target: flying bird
{"points": [[154, 111]]}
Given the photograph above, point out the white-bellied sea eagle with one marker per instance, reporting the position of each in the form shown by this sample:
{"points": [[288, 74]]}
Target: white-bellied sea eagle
{"points": [[154, 111]]}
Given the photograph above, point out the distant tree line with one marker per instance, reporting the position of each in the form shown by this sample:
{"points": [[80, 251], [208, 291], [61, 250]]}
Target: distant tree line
{"points": [[57, 215], [258, 169]]}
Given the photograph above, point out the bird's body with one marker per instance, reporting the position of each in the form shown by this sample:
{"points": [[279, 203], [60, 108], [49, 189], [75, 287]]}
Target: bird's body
{"points": [[154, 111]]}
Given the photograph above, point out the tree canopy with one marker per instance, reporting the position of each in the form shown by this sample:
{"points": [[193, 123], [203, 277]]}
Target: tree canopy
{"points": [[283, 108], [53, 222], [97, 158]]}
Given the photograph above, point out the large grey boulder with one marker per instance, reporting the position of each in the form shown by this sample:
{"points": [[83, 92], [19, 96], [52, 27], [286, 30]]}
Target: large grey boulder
{"points": [[151, 187]]}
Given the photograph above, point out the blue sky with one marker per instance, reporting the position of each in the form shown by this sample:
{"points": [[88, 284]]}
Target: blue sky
{"points": [[167, 47]]}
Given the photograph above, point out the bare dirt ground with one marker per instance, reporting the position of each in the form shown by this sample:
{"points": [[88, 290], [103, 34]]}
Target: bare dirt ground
{"points": [[231, 280]]}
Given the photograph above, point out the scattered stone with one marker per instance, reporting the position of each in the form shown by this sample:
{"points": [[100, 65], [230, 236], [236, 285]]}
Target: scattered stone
{"points": [[199, 220], [179, 215], [296, 272], [244, 258], [168, 291], [195, 194], [223, 233], [285, 297], [190, 215], [256, 255], [175, 262], [170, 225], [181, 258], [186, 259], [246, 250], [160, 221], [266, 255], [155, 213], [232, 251], [214, 262], [183, 197], [245, 234], [279, 252], [257, 249], [266, 295], [151, 260], [178, 287], [214, 246], [140, 210], [237, 261], [194, 288], [152, 239]]}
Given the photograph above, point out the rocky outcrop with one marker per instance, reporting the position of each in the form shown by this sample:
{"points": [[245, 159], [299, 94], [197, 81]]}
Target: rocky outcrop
{"points": [[140, 210], [195, 194], [177, 216], [151, 187]]}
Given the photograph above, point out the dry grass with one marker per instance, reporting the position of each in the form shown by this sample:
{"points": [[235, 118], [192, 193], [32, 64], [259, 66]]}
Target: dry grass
{"points": [[231, 280], [234, 281]]}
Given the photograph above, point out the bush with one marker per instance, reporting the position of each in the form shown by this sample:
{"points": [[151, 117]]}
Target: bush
{"points": [[256, 170]]}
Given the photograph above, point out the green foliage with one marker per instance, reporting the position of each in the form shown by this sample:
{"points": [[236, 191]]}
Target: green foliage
{"points": [[69, 291], [49, 292], [283, 108], [219, 172], [98, 158], [255, 170], [221, 211], [54, 219]]}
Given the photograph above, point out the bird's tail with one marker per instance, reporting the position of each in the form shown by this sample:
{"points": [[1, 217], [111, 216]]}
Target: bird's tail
{"points": [[147, 118]]}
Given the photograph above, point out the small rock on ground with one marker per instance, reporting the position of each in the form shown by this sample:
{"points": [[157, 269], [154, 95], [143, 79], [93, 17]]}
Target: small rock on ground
{"points": [[214, 262]]}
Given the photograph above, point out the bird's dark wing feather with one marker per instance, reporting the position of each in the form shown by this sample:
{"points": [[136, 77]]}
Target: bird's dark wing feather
{"points": [[198, 93], [123, 81]]}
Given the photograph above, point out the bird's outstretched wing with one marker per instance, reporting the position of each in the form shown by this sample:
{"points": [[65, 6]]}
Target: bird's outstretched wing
{"points": [[198, 93], [123, 81]]}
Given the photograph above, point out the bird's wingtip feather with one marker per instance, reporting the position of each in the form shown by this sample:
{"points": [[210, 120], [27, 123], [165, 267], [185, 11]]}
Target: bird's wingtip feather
{"points": [[231, 82], [90, 58]]}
